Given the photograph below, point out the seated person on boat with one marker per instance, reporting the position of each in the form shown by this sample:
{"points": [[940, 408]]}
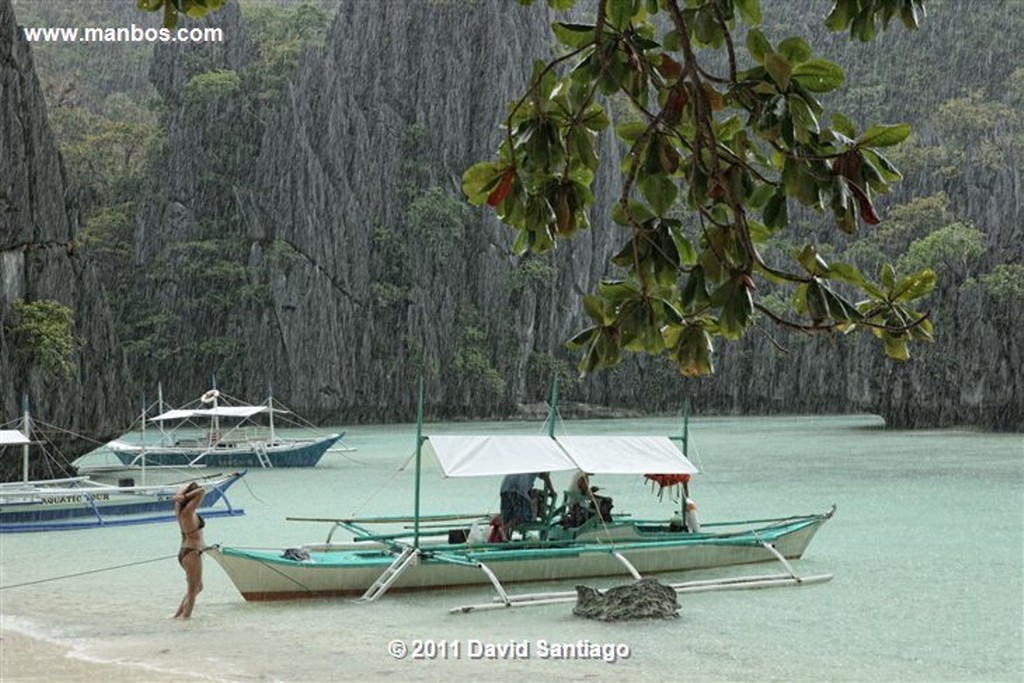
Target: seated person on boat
{"points": [[518, 503], [582, 502]]}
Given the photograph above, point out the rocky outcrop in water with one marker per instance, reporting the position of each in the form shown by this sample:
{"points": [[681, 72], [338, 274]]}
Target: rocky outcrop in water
{"points": [[38, 260], [643, 599]]}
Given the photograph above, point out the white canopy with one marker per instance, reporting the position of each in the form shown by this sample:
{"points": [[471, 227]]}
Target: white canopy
{"points": [[12, 437], [219, 411], [626, 455], [478, 456]]}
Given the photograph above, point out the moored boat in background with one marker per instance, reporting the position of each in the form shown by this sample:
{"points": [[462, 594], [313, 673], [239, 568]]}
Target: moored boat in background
{"points": [[217, 431], [79, 502]]}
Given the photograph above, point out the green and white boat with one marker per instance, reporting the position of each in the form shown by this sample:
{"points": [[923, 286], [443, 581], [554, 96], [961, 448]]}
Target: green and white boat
{"points": [[433, 551]]}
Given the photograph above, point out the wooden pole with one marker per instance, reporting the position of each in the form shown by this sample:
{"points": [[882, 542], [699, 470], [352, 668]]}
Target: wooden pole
{"points": [[419, 458]]}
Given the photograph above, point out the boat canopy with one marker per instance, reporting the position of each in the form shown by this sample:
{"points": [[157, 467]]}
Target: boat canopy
{"points": [[219, 411], [12, 437], [478, 456]]}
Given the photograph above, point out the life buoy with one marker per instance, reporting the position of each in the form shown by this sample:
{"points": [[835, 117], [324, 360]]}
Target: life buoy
{"points": [[210, 396]]}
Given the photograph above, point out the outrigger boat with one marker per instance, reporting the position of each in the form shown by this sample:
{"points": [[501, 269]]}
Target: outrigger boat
{"points": [[79, 502], [228, 437], [432, 556]]}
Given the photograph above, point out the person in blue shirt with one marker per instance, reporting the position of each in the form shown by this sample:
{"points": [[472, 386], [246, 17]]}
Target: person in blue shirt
{"points": [[517, 505]]}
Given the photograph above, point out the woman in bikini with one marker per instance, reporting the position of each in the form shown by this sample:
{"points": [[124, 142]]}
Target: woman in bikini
{"points": [[190, 557]]}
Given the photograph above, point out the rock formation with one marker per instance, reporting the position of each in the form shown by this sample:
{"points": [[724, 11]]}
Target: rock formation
{"points": [[38, 260]]}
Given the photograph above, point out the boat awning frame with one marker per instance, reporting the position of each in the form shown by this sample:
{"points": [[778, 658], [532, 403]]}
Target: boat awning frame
{"points": [[478, 456]]}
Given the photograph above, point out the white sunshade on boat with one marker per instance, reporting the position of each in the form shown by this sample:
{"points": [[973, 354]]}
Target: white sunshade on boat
{"points": [[12, 437], [219, 411], [480, 456], [477, 456], [626, 455]]}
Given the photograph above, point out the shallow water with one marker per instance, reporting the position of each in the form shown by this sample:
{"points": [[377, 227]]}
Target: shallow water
{"points": [[926, 549]]}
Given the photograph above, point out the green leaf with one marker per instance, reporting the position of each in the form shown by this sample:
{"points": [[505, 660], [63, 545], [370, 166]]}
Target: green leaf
{"points": [[639, 212], [737, 307], [631, 131], [843, 125], [750, 11], [895, 346], [846, 273], [779, 69], [478, 181], [795, 50], [660, 191], [888, 276], [691, 350], [776, 211], [573, 35], [580, 339], [619, 13], [915, 285], [595, 118], [595, 307], [819, 75], [812, 262], [687, 254], [884, 136], [758, 45]]}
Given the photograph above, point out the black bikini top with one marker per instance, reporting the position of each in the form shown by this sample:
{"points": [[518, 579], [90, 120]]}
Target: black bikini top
{"points": [[202, 524]]}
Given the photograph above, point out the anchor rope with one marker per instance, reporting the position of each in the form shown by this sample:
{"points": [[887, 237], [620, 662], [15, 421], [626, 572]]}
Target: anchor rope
{"points": [[86, 573]]}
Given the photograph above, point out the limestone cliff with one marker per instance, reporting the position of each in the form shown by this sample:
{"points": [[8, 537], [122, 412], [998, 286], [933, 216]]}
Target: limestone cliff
{"points": [[354, 273], [38, 261]]}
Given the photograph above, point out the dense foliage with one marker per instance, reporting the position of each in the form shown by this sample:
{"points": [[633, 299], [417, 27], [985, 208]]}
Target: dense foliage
{"points": [[43, 335], [714, 158]]}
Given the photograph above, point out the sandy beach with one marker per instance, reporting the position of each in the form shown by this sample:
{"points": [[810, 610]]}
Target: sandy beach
{"points": [[24, 659]]}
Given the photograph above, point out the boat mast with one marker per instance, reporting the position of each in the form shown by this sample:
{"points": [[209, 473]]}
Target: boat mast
{"points": [[215, 433], [160, 411], [270, 409], [26, 429], [686, 454], [553, 408], [419, 450], [143, 439]]}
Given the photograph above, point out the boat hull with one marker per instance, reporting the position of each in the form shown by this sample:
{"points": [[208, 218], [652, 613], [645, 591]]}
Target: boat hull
{"points": [[86, 506], [304, 453], [350, 569]]}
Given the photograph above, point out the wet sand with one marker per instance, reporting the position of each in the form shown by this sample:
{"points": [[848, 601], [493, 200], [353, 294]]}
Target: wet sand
{"points": [[30, 660]]}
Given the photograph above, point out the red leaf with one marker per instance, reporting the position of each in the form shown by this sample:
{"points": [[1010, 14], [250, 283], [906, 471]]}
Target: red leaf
{"points": [[501, 191], [867, 209]]}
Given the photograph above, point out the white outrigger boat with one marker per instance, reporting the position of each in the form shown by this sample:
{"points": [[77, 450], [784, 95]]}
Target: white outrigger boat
{"points": [[79, 502], [427, 558], [228, 436]]}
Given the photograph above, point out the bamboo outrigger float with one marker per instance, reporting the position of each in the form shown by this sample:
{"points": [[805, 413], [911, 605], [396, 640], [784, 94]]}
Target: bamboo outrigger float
{"points": [[429, 554]]}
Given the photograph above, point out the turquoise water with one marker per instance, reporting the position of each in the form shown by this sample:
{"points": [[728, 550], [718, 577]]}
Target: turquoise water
{"points": [[926, 549]]}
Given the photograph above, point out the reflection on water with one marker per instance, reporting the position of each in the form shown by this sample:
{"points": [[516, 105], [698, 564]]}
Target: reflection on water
{"points": [[926, 548]]}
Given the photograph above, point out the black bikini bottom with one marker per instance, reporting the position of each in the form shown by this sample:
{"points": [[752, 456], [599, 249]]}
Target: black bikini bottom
{"points": [[183, 553]]}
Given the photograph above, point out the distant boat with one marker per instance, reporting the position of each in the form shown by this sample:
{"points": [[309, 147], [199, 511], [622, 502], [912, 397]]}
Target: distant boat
{"points": [[228, 436], [440, 552], [79, 502]]}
